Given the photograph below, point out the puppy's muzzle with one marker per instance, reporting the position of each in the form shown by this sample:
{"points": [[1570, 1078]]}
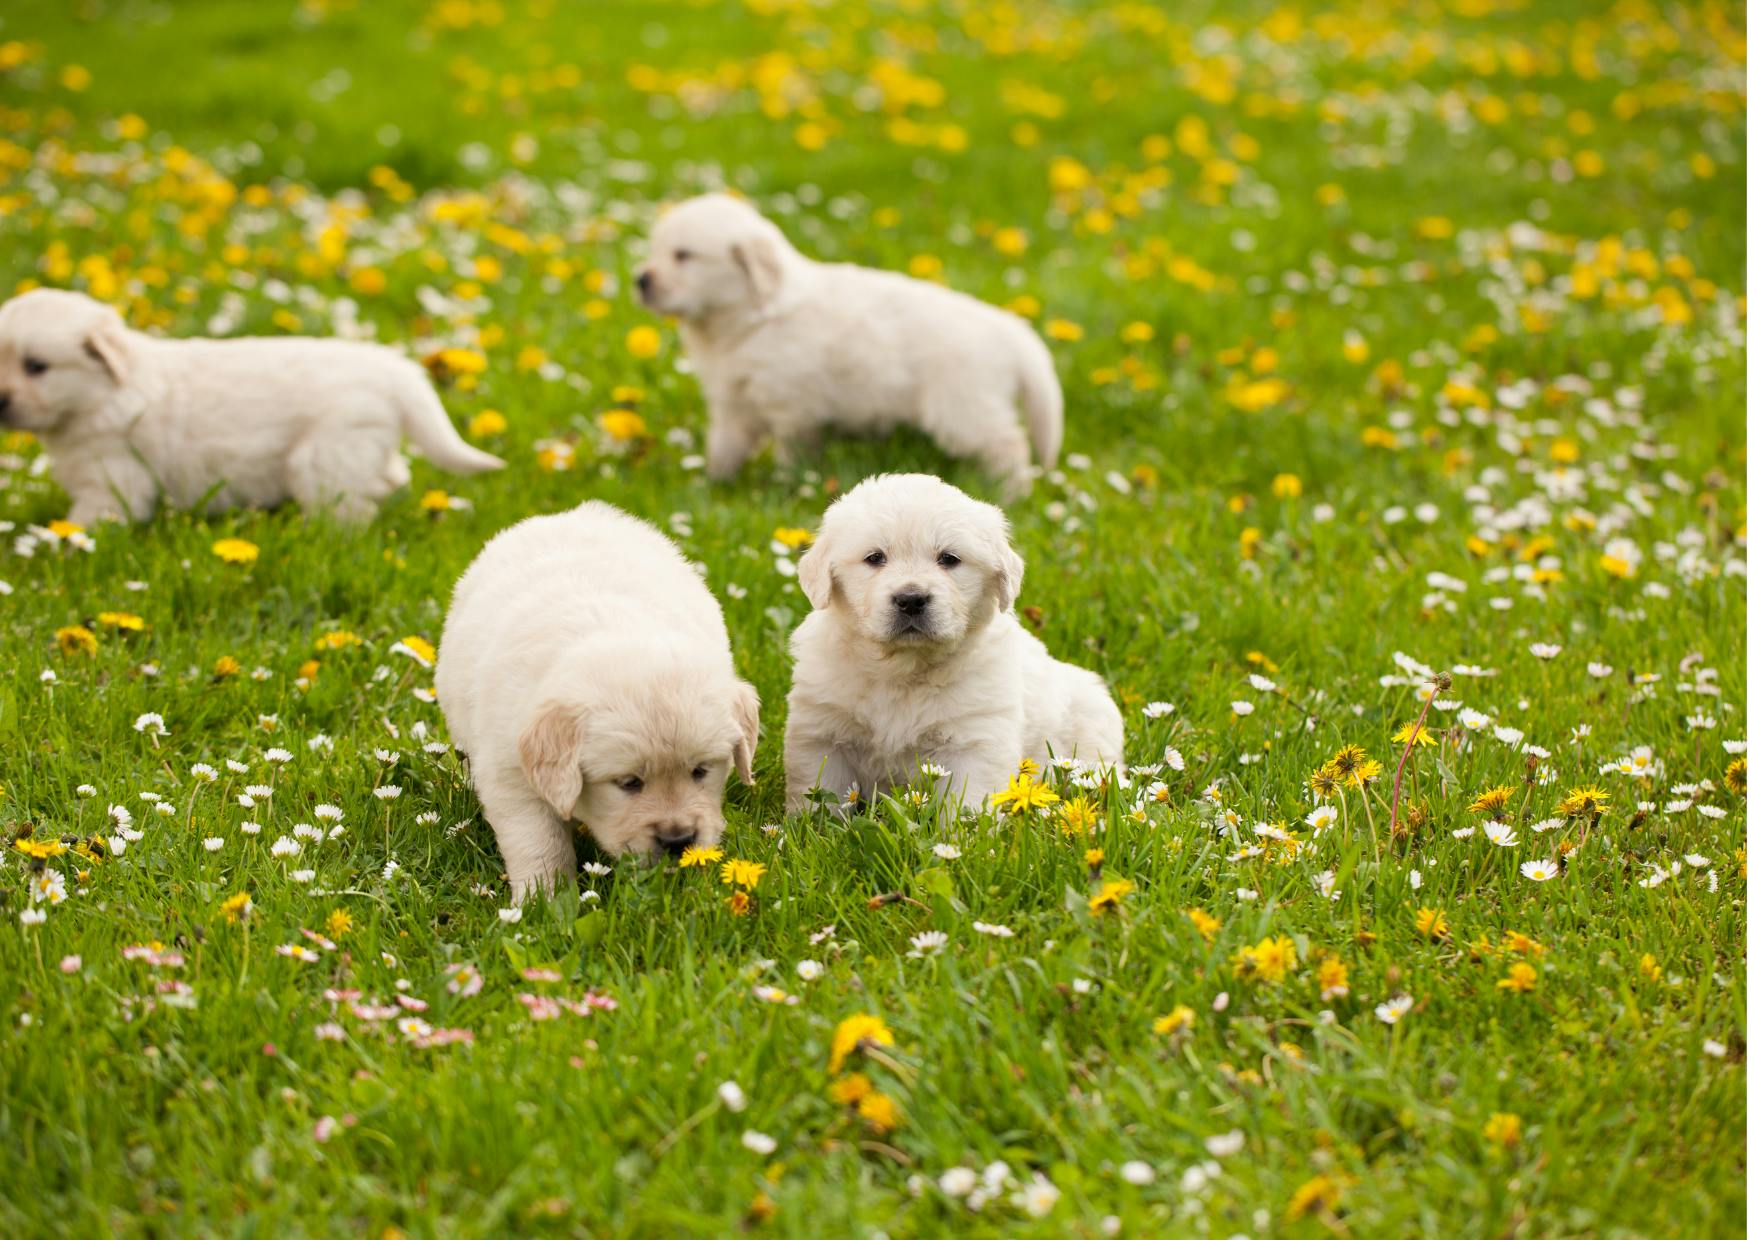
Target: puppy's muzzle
{"points": [[5, 408], [911, 616], [676, 837]]}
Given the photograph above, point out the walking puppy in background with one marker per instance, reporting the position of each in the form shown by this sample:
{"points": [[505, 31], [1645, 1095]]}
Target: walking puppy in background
{"points": [[131, 420], [585, 672], [912, 653], [785, 346]]}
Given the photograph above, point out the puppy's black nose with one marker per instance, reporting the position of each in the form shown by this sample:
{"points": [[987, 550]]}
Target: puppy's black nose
{"points": [[643, 282], [911, 604], [5, 403], [675, 838]]}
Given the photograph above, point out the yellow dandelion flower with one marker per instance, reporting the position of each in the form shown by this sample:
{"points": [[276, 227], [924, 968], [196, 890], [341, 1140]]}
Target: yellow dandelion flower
{"points": [[1583, 803], [236, 551], [1431, 923], [849, 1090], [1076, 817], [852, 1033], [1492, 801], [1332, 978], [1519, 978], [1318, 1195], [1522, 945], [486, 423], [623, 425], [1109, 895], [1180, 1017], [742, 873], [1503, 1129], [879, 1110], [1023, 794], [643, 342], [76, 639], [41, 850], [1414, 733], [699, 856], [1207, 925], [421, 650], [1270, 959]]}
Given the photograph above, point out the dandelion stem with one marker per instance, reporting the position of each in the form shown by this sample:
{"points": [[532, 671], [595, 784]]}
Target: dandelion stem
{"points": [[1440, 683]]}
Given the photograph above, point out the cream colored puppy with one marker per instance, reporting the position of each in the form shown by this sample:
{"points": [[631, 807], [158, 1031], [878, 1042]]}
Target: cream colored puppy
{"points": [[585, 672], [785, 346], [131, 421], [913, 654]]}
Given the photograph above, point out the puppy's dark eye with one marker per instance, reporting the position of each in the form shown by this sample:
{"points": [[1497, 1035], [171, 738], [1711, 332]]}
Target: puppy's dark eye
{"points": [[681, 256], [947, 560], [630, 784], [874, 559], [698, 774], [34, 366]]}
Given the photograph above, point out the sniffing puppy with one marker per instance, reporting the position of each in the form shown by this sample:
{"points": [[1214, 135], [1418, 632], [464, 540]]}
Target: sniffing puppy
{"points": [[585, 672], [131, 421], [785, 346], [913, 654]]}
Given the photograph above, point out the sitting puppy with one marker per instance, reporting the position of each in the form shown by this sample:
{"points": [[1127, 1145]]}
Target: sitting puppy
{"points": [[129, 419], [585, 672], [912, 653], [785, 346]]}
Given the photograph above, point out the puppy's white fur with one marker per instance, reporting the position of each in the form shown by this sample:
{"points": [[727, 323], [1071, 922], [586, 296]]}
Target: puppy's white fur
{"points": [[582, 652], [132, 420], [785, 346], [960, 683]]}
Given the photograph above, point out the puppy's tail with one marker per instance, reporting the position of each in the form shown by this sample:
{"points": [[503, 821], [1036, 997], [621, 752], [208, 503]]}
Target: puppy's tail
{"points": [[1041, 400], [426, 423]]}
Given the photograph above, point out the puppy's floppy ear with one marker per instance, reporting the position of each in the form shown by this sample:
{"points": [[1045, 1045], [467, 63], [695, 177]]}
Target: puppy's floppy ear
{"points": [[551, 750], [1010, 570], [746, 717], [107, 342], [757, 257], [815, 573]]}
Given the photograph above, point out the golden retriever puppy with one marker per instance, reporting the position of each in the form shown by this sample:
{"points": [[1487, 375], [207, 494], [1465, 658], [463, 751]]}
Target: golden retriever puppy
{"points": [[585, 672], [913, 654], [785, 346], [131, 420]]}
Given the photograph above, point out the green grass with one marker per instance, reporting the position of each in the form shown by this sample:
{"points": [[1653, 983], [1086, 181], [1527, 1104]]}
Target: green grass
{"points": [[1164, 555]]}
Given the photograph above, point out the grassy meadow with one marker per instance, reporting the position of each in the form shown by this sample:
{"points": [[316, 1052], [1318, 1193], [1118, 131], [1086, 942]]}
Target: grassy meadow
{"points": [[1403, 353]]}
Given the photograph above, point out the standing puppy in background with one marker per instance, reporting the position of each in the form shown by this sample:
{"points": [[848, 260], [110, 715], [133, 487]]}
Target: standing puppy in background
{"points": [[785, 346], [912, 653], [585, 672], [130, 420]]}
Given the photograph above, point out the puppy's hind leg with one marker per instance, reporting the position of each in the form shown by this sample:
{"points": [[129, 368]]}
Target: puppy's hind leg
{"points": [[972, 424], [346, 470]]}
